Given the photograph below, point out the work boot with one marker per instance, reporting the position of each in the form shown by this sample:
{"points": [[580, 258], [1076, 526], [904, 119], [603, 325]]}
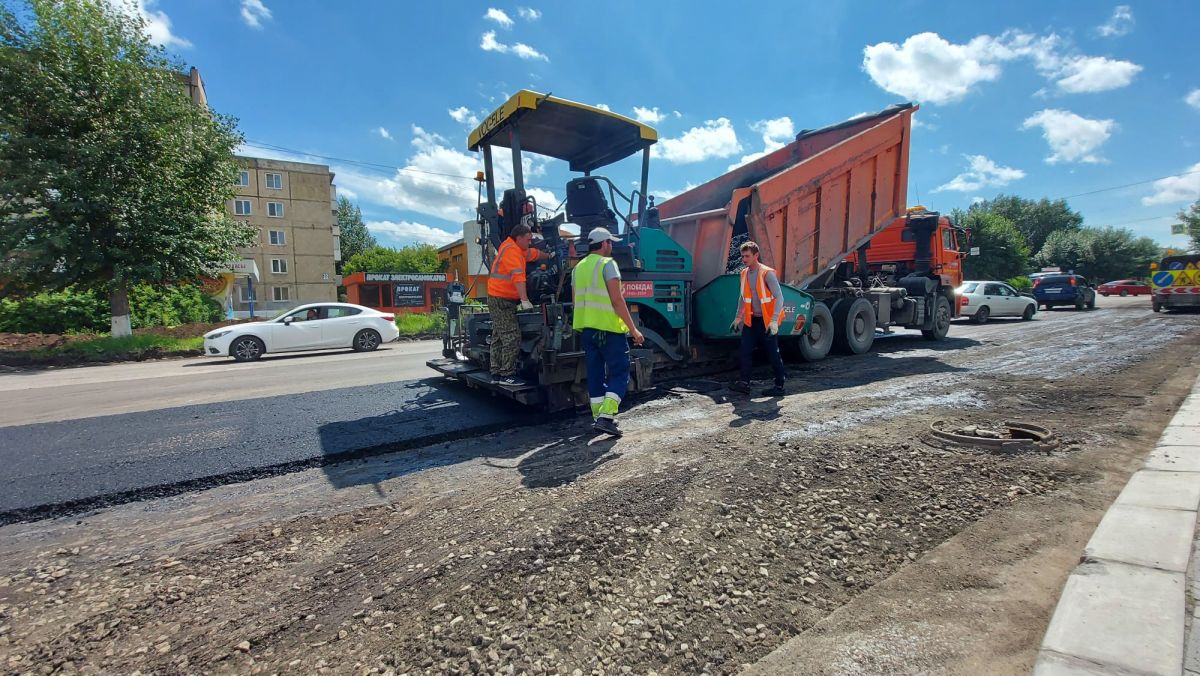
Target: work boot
{"points": [[776, 391], [511, 381], [740, 386], [607, 426]]}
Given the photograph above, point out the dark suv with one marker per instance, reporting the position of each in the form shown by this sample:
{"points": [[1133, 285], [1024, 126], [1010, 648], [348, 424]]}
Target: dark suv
{"points": [[1051, 290]]}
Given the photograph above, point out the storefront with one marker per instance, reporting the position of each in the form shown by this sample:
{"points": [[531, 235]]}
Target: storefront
{"points": [[397, 291]]}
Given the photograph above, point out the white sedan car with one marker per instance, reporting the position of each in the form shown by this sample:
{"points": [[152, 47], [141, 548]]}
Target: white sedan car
{"points": [[981, 300], [317, 326]]}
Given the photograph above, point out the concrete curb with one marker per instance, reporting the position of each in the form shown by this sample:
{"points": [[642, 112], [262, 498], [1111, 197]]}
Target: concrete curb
{"points": [[1122, 610]]}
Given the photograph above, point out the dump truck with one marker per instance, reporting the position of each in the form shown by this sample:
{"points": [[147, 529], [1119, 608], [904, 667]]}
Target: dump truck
{"points": [[827, 210]]}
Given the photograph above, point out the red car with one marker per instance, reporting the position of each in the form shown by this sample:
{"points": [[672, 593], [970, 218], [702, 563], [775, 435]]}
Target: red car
{"points": [[1124, 287]]}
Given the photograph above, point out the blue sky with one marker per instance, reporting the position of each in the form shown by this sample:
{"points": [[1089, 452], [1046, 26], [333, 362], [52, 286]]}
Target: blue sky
{"points": [[1039, 99]]}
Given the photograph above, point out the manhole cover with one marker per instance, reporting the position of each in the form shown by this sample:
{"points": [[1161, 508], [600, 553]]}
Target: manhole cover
{"points": [[1007, 436]]}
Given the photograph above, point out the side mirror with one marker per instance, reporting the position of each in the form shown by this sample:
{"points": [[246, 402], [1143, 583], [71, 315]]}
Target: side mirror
{"points": [[287, 321]]}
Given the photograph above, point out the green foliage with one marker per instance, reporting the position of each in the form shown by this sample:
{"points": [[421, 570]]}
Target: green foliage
{"points": [[109, 175], [68, 311], [411, 258], [1021, 283], [1033, 219], [1003, 252], [416, 324], [355, 237], [1190, 217], [79, 311], [122, 348], [1100, 254]]}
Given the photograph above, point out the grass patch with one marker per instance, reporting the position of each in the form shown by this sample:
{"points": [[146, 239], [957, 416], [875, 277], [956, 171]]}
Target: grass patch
{"points": [[413, 324], [107, 347]]}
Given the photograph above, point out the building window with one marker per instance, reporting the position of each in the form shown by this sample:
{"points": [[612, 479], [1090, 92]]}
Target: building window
{"points": [[245, 294], [279, 265], [275, 209], [275, 181], [280, 293], [277, 237], [243, 179], [241, 207]]}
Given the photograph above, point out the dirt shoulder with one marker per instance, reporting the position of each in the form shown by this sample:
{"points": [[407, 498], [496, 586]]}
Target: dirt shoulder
{"points": [[715, 531]]}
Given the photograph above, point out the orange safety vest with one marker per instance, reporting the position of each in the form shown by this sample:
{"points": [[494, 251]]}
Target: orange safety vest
{"points": [[508, 269], [764, 296]]}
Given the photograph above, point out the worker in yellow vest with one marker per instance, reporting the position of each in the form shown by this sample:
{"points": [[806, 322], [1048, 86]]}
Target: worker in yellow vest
{"points": [[760, 311], [603, 318]]}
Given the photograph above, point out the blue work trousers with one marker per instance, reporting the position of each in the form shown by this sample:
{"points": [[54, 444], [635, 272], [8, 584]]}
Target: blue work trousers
{"points": [[756, 335], [607, 357]]}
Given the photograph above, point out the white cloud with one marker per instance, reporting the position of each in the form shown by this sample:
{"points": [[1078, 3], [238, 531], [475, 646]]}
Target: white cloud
{"points": [[1120, 23], [499, 16], [648, 115], [529, 13], [776, 134], [437, 180], [464, 116], [253, 13], [661, 196], [383, 132], [603, 106], [977, 199], [1072, 138], [929, 68], [1193, 99], [488, 43], [408, 232], [981, 173], [1095, 74], [716, 138], [677, 114], [158, 24], [1182, 188]]}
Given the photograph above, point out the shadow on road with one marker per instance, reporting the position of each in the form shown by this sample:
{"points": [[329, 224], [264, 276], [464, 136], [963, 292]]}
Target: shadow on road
{"points": [[436, 416], [289, 356], [559, 463]]}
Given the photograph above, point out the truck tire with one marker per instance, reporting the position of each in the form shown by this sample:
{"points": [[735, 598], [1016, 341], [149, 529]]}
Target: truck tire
{"points": [[941, 320], [854, 324], [817, 340]]}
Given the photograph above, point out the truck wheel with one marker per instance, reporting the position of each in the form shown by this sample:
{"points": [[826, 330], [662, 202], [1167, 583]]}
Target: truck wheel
{"points": [[854, 325], [817, 340], [941, 320]]}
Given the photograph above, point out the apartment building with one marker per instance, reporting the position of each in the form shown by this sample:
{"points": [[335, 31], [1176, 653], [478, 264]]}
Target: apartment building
{"points": [[293, 205]]}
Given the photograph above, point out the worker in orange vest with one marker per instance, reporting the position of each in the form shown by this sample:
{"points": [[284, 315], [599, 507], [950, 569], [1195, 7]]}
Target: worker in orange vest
{"points": [[506, 294], [760, 311]]}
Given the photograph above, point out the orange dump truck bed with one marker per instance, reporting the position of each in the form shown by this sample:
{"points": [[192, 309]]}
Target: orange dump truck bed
{"points": [[809, 205]]}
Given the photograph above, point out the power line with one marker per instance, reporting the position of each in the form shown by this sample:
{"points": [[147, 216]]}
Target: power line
{"points": [[1130, 185]]}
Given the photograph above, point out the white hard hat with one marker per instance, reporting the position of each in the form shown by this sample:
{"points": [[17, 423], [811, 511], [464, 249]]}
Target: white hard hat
{"points": [[598, 235]]}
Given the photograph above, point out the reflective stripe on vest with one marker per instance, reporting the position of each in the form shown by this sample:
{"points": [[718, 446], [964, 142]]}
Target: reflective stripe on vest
{"points": [[764, 296], [593, 308]]}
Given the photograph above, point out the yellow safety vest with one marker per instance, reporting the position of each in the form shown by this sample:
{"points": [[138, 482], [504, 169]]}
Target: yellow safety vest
{"points": [[593, 307]]}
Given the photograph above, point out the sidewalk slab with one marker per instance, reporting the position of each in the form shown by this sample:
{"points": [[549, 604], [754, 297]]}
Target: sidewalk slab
{"points": [[1174, 458], [1053, 664], [1144, 536], [1127, 617], [1165, 490], [1180, 435]]}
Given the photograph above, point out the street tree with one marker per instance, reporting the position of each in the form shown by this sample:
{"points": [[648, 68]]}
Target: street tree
{"points": [[1035, 219], [1003, 252], [411, 258], [1190, 218], [109, 175], [1100, 254], [355, 237]]}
